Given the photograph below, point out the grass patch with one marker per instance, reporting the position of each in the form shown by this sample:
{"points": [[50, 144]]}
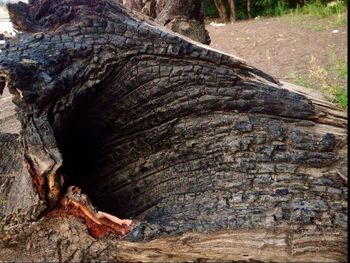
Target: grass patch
{"points": [[344, 71], [317, 28], [320, 10], [334, 93], [301, 80], [341, 19], [341, 97], [331, 81], [331, 22], [339, 66], [317, 9]]}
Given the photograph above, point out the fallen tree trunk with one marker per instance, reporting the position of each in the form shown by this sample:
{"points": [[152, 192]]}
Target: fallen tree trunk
{"points": [[211, 158], [183, 17]]}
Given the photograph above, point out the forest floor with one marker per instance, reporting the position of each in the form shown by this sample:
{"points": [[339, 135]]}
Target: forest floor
{"points": [[300, 49]]}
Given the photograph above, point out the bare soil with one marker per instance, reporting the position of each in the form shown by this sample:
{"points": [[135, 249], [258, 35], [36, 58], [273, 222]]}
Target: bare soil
{"points": [[284, 46]]}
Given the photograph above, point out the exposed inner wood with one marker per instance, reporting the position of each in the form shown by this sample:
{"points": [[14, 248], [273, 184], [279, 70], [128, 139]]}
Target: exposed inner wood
{"points": [[77, 200]]}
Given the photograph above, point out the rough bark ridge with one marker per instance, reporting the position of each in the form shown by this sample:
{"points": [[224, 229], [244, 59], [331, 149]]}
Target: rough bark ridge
{"points": [[177, 136], [184, 17]]}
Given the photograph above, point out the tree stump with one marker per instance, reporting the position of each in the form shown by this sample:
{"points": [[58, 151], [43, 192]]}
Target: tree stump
{"points": [[184, 17], [214, 160]]}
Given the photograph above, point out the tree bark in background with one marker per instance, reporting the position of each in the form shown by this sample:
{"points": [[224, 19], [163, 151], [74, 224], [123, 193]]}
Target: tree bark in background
{"points": [[232, 10], [213, 159], [249, 4], [220, 6], [301, 2], [184, 17]]}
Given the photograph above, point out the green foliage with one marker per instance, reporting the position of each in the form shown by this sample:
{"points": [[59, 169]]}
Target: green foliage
{"points": [[210, 9], [317, 8], [271, 7], [341, 97], [241, 9], [344, 71], [340, 70], [320, 9]]}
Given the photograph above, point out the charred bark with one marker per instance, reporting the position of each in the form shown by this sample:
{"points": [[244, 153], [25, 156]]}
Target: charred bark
{"points": [[179, 137], [184, 17]]}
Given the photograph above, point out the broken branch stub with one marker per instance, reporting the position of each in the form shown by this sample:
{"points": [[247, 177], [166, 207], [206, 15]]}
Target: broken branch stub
{"points": [[179, 137]]}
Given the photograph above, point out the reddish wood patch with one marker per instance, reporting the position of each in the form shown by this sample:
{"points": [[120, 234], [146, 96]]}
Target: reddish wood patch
{"points": [[38, 180], [94, 229]]}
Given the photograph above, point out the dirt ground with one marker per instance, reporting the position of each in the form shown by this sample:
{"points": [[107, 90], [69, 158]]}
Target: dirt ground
{"points": [[284, 46]]}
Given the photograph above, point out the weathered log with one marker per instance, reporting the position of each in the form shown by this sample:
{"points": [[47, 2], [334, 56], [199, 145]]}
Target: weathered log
{"points": [[184, 17], [213, 159]]}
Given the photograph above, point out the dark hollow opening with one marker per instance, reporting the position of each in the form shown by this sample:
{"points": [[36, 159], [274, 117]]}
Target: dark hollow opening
{"points": [[85, 142], [105, 147], [146, 151]]}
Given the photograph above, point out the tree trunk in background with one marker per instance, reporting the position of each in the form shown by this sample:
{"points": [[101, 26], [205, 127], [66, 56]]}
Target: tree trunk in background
{"points": [[249, 4], [301, 2], [232, 10], [183, 17], [220, 6], [213, 159]]}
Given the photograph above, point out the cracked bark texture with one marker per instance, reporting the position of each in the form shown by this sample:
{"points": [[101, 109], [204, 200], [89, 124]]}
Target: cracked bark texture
{"points": [[214, 159], [183, 17]]}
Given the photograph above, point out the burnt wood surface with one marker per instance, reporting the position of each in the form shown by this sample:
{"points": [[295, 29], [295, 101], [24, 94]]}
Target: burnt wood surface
{"points": [[213, 159]]}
